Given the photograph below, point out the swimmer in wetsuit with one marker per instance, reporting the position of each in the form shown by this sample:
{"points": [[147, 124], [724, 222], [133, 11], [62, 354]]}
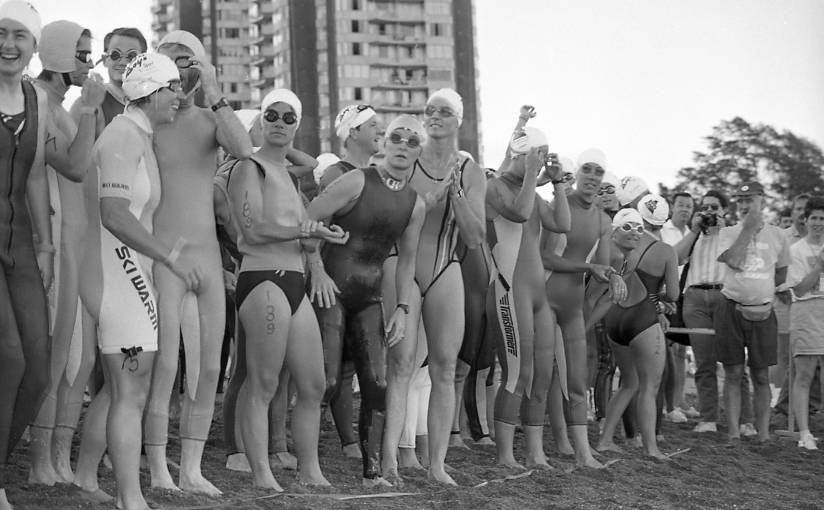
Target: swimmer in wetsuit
{"points": [[357, 127], [278, 320], [453, 189], [565, 290], [187, 156], [527, 346], [122, 46], [126, 311], [62, 46], [379, 210], [636, 326]]}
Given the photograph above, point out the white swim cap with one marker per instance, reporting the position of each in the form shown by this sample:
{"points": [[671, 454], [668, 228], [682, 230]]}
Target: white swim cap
{"points": [[405, 122], [567, 164], [325, 160], [282, 96], [530, 137], [624, 216], [148, 73], [452, 98], [611, 179], [593, 155], [186, 39], [25, 14], [654, 209], [58, 46], [247, 117], [351, 117], [630, 188]]}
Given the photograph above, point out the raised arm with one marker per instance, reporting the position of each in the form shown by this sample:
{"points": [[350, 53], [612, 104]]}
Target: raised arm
{"points": [[231, 135], [527, 112], [302, 163], [516, 207]]}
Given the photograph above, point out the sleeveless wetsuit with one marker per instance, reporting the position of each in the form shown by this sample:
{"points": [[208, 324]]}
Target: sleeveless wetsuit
{"points": [[355, 322], [24, 358], [128, 311], [111, 107], [624, 323]]}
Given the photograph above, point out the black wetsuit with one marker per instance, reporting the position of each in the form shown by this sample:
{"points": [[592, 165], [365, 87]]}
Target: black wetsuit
{"points": [[625, 323], [24, 350], [355, 322]]}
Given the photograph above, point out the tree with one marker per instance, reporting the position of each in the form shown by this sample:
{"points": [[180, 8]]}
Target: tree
{"points": [[737, 151]]}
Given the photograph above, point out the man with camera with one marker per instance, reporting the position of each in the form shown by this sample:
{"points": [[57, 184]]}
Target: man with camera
{"points": [[756, 256], [702, 293]]}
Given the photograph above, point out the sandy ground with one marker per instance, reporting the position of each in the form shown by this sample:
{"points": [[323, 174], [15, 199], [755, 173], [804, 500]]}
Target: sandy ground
{"points": [[707, 473]]}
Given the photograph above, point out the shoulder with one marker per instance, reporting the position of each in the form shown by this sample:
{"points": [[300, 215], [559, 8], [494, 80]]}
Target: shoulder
{"points": [[120, 133]]}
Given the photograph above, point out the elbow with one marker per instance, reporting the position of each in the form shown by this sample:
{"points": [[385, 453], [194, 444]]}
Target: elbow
{"points": [[244, 152], [77, 175], [565, 227]]}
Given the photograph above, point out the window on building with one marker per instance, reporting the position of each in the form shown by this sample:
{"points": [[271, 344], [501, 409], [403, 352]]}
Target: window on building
{"points": [[233, 88], [356, 48], [383, 51], [436, 29], [382, 29], [231, 33], [410, 52], [358, 94], [355, 26], [355, 5]]}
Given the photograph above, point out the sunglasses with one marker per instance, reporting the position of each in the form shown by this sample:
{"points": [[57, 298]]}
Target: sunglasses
{"points": [[185, 62], [626, 227], [413, 142], [116, 56], [174, 86], [710, 207], [83, 56], [443, 111], [273, 116], [606, 190]]}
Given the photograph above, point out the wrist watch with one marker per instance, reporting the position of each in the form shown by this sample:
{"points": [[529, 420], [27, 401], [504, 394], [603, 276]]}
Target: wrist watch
{"points": [[403, 307], [220, 104]]}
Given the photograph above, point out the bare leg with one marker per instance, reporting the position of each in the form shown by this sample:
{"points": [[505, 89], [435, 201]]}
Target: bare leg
{"points": [[129, 391], [648, 351], [461, 371], [304, 357], [443, 320], [732, 394], [761, 401], [621, 398], [266, 320], [804, 372]]}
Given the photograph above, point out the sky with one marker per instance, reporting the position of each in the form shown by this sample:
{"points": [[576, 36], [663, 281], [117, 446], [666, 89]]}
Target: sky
{"points": [[643, 80]]}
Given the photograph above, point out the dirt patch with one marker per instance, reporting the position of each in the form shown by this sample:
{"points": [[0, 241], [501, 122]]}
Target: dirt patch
{"points": [[709, 475]]}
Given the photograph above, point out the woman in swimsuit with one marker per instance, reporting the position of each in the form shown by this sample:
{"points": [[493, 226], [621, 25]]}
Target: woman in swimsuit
{"points": [[636, 328], [273, 308]]}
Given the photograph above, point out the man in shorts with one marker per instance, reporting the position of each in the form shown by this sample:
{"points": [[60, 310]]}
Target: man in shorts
{"points": [[756, 256]]}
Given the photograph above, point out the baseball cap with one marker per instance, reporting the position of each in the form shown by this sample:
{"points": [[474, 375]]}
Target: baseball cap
{"points": [[748, 189], [654, 209], [630, 188], [148, 73]]}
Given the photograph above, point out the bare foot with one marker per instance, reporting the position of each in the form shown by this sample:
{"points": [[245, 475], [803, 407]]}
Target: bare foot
{"points": [[283, 460], [456, 441], [43, 475], [392, 476], [408, 459], [198, 485], [164, 481], [238, 462], [510, 463], [352, 451], [440, 477], [266, 481], [485, 441], [64, 473], [371, 483], [656, 454], [542, 465], [537, 460], [313, 480], [565, 448], [609, 446], [95, 495], [589, 462]]}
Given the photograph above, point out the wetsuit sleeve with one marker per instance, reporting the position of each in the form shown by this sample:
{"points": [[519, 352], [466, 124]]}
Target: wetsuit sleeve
{"points": [[117, 168]]}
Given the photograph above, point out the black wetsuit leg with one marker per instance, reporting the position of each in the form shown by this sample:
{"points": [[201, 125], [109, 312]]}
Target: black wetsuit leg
{"points": [[365, 342]]}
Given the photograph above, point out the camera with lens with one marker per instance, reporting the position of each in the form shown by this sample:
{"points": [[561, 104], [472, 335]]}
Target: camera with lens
{"points": [[707, 220]]}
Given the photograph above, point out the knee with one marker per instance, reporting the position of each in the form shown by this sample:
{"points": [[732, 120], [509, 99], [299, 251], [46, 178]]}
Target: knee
{"points": [[210, 373], [166, 364], [760, 377], [733, 373], [401, 367], [441, 371], [461, 371], [262, 386]]}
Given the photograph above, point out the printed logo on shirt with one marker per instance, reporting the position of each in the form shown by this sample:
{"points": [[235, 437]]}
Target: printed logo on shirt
{"points": [[133, 273], [115, 185], [508, 325]]}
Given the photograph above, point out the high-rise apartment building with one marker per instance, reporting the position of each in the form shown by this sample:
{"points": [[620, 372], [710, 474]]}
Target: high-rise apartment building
{"points": [[388, 53]]}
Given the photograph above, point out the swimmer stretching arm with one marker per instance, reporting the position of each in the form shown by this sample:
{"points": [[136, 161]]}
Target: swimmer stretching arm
{"points": [[302, 163], [405, 273], [516, 208], [73, 158], [231, 135], [468, 204], [527, 112], [556, 217]]}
